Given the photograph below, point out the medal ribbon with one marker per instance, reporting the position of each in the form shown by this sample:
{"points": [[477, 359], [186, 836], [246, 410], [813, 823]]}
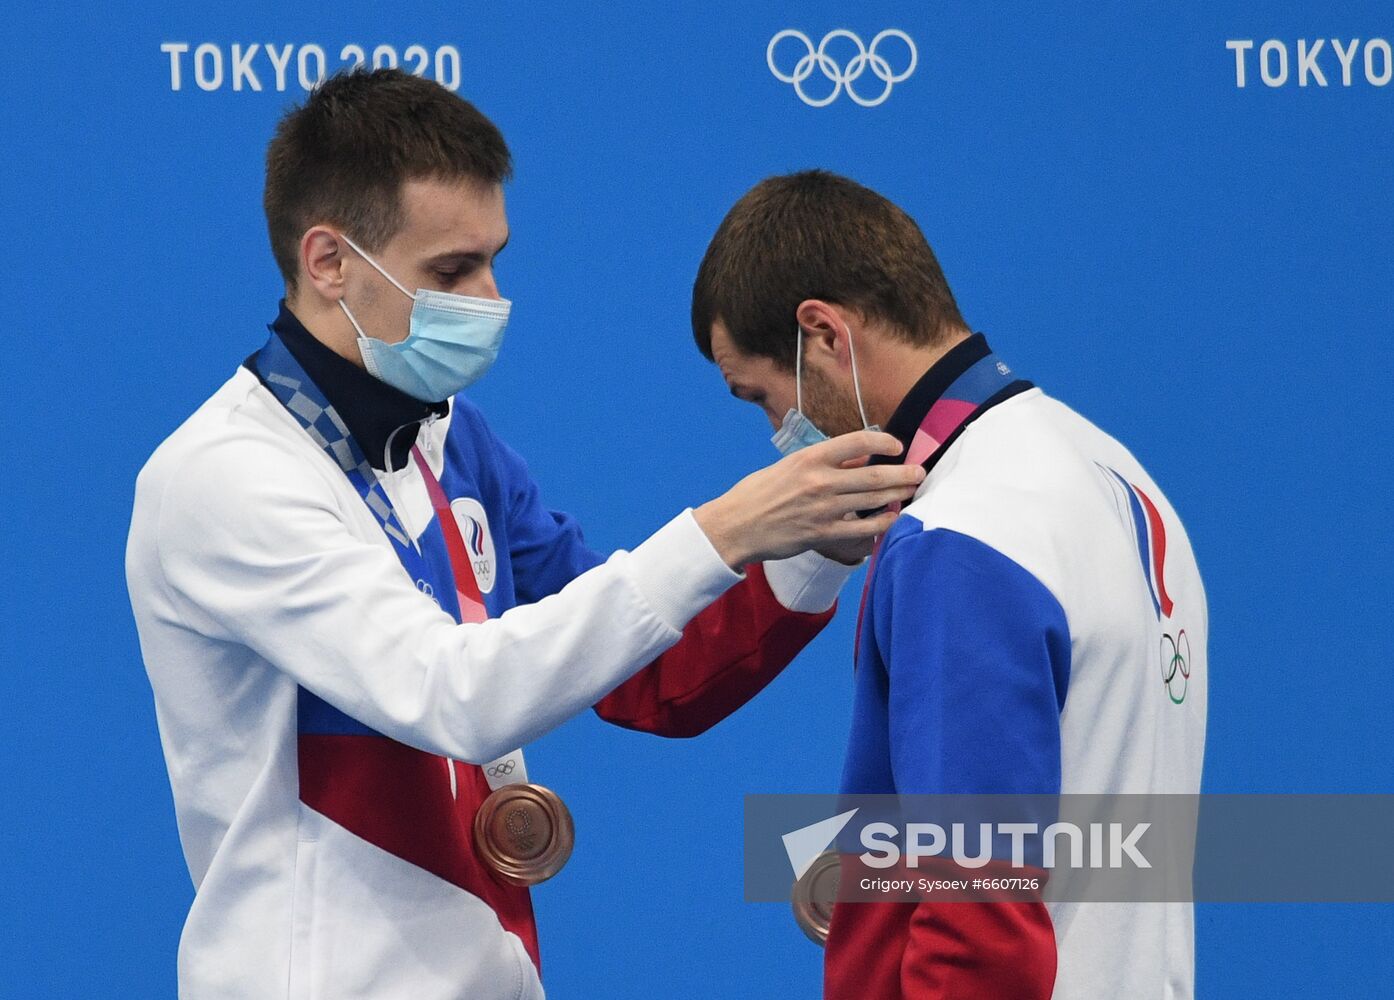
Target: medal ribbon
{"points": [[510, 768], [304, 400], [984, 384]]}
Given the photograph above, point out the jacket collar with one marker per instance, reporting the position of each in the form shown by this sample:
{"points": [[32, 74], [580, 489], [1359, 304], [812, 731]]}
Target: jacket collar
{"points": [[956, 390], [374, 412]]}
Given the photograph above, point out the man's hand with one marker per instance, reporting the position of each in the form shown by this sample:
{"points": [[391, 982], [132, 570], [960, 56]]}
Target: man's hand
{"points": [[849, 552], [802, 502]]}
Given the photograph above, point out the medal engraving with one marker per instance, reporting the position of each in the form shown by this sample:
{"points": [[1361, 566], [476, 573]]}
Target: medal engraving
{"points": [[524, 833]]}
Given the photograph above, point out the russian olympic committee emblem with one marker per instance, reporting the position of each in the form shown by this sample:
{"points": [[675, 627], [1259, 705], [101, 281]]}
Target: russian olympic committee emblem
{"points": [[1148, 527], [474, 528]]}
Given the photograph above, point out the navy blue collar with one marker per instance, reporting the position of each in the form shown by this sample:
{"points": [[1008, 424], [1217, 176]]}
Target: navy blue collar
{"points": [[370, 408]]}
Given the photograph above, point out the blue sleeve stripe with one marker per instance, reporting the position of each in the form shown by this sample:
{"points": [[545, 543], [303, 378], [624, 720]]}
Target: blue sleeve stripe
{"points": [[977, 652]]}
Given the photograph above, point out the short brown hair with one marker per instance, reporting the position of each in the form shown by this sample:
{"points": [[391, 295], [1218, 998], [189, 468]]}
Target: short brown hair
{"points": [[816, 235], [343, 156]]}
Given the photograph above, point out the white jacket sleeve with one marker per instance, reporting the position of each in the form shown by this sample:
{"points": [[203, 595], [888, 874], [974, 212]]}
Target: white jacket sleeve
{"points": [[807, 582], [254, 549]]}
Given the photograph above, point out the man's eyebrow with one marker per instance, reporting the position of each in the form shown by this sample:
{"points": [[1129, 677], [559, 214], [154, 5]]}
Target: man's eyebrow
{"points": [[463, 256]]}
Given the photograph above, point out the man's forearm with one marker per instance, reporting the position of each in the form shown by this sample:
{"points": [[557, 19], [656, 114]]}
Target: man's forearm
{"points": [[728, 653]]}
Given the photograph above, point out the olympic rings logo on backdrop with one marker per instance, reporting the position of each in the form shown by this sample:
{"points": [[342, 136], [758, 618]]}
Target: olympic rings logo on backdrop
{"points": [[867, 57]]}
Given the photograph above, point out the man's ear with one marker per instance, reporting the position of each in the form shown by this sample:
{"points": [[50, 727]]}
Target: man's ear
{"points": [[322, 253], [824, 328]]}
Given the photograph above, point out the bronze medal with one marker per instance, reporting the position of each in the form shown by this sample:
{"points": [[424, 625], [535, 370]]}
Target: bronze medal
{"points": [[524, 833], [814, 894]]}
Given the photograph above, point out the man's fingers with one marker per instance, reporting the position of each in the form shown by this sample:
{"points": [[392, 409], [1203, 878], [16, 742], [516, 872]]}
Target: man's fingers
{"points": [[863, 527], [858, 444], [873, 499], [876, 477]]}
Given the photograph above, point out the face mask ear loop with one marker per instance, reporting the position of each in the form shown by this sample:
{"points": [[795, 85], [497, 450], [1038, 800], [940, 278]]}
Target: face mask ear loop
{"points": [[344, 306], [398, 511], [387, 448], [856, 382], [376, 266], [798, 370]]}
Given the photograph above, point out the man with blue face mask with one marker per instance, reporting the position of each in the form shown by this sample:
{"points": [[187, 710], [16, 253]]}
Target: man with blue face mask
{"points": [[452, 341], [355, 609], [796, 431], [1033, 623]]}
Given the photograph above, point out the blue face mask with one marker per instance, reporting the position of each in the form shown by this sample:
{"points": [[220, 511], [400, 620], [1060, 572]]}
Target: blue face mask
{"points": [[796, 431], [453, 341]]}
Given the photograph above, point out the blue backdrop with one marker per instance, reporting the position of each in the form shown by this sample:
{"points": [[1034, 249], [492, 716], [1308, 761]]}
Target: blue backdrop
{"points": [[1204, 269]]}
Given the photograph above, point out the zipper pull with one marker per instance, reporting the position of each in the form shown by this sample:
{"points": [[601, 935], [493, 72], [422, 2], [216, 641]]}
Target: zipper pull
{"points": [[433, 447]]}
